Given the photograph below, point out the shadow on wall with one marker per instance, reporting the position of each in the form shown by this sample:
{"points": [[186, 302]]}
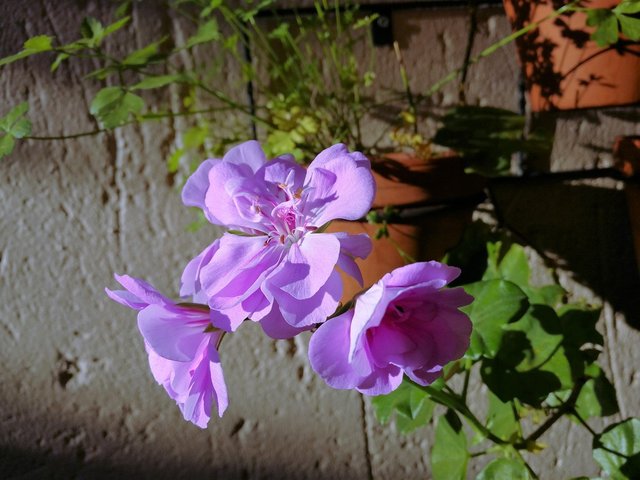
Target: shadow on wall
{"points": [[23, 464], [586, 228]]}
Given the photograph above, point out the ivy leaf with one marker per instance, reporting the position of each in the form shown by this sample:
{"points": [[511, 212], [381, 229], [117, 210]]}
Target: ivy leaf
{"points": [[38, 44], [410, 403], [617, 449], [540, 326], [497, 302], [112, 106], [597, 397], [504, 468], [206, 32], [449, 455], [501, 419], [156, 82]]}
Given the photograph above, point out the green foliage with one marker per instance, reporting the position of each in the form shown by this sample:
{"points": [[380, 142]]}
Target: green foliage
{"points": [[496, 303], [610, 23], [504, 469], [37, 44], [13, 125], [411, 404], [449, 455], [617, 449], [537, 356], [113, 106]]}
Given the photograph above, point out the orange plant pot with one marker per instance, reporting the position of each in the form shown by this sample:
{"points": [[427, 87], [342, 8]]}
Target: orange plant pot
{"points": [[436, 197], [566, 70]]}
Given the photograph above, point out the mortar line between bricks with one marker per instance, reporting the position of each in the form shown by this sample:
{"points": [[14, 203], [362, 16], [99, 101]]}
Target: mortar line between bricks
{"points": [[365, 433]]}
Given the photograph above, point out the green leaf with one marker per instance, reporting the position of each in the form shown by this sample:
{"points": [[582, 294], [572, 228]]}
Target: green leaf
{"points": [[630, 27], [59, 59], [617, 449], [144, 55], [7, 143], [112, 106], [14, 114], [578, 324], [173, 162], [501, 418], [115, 26], [21, 128], [606, 24], [550, 295], [504, 469], [412, 405], [156, 82], [206, 32], [496, 303], [40, 43], [597, 397], [449, 455], [92, 29], [629, 7], [513, 266], [541, 328]]}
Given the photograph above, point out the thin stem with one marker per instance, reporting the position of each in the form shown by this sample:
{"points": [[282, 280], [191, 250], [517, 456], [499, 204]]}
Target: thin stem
{"points": [[407, 87], [146, 116], [465, 386], [583, 422], [499, 44], [473, 28], [451, 400], [565, 408]]}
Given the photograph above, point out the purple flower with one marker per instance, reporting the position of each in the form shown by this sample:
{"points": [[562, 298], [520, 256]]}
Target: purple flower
{"points": [[181, 341], [406, 323], [276, 268]]}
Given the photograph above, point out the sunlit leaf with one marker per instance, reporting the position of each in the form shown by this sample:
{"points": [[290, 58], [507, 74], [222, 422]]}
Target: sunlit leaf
{"points": [[617, 449], [504, 469], [449, 455], [497, 302]]}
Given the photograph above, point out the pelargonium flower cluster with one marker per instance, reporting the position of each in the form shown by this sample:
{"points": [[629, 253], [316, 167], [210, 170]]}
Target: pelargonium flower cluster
{"points": [[277, 266]]}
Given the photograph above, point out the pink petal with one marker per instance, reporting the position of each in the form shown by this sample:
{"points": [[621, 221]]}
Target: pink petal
{"points": [[248, 153], [303, 313], [237, 269], [308, 266], [348, 197], [422, 272], [195, 189], [275, 325], [190, 281], [329, 350], [173, 333], [381, 381], [139, 293]]}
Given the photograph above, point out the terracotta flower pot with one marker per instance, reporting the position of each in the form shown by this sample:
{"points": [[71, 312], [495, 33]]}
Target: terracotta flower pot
{"points": [[434, 200], [563, 68], [626, 151]]}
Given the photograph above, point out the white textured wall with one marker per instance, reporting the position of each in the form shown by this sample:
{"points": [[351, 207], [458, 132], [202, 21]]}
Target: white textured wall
{"points": [[77, 399]]}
